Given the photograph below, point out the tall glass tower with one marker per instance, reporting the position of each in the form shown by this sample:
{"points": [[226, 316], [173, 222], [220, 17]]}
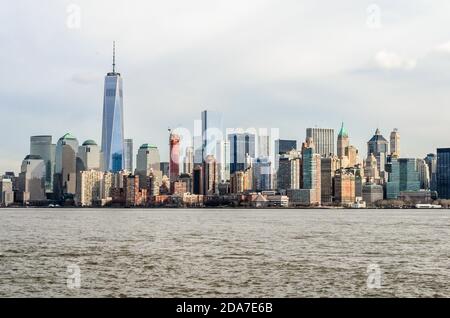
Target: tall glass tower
{"points": [[112, 129]]}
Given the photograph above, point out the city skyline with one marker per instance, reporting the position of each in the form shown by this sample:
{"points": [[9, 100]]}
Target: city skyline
{"points": [[382, 82]]}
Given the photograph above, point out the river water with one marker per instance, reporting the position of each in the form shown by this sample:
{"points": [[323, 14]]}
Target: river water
{"points": [[224, 253]]}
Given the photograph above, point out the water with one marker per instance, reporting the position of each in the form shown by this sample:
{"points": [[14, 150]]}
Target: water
{"points": [[224, 253]]}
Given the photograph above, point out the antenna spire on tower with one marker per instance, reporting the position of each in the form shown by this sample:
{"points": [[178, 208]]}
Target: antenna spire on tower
{"points": [[114, 56]]}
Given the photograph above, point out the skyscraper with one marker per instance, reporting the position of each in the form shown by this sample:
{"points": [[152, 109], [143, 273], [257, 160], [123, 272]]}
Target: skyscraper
{"points": [[211, 175], [188, 161], [395, 143], [174, 160], [241, 145], [311, 171], [89, 155], [443, 173], [431, 160], [403, 176], [32, 179], [212, 132], [342, 143], [128, 166], [64, 182], [378, 146], [147, 161], [112, 130], [223, 160], [262, 174], [323, 139], [42, 146]]}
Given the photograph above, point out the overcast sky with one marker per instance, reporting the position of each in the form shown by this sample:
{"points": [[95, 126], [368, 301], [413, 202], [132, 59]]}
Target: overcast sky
{"points": [[285, 64]]}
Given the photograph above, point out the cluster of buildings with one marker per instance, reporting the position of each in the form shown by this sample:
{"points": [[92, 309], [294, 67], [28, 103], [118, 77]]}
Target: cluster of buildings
{"points": [[238, 168]]}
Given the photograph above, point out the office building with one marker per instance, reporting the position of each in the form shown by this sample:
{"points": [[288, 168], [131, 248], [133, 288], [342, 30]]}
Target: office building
{"points": [[242, 147], [6, 192], [128, 165], [395, 143], [212, 132], [223, 160], [89, 156], [424, 174], [188, 161], [65, 167], [42, 146], [443, 173], [147, 160], [262, 174], [323, 140], [112, 129], [378, 146], [344, 187], [211, 175], [328, 167], [431, 160], [174, 154], [32, 180], [311, 170], [403, 176], [372, 193], [342, 143]]}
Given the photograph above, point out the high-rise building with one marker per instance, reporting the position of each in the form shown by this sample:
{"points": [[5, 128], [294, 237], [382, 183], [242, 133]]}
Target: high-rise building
{"points": [[378, 146], [323, 140], [65, 177], [262, 174], [242, 145], [89, 187], [371, 169], [188, 161], [344, 186], [395, 143], [371, 193], [424, 174], [311, 170], [112, 130], [128, 144], [342, 142], [284, 146], [264, 145], [431, 160], [197, 179], [174, 160], [328, 167], [32, 180], [89, 156], [147, 160], [223, 160], [42, 146], [443, 173], [211, 175], [6, 192], [289, 171], [212, 132], [403, 176]]}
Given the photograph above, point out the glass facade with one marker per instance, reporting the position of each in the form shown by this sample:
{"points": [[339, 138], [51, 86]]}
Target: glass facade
{"points": [[403, 176], [443, 173], [241, 145], [112, 130], [212, 132]]}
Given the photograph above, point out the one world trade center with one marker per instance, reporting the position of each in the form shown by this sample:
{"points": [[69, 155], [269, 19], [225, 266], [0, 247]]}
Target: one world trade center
{"points": [[112, 129]]}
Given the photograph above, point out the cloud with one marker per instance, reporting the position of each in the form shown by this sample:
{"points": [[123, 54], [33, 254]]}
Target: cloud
{"points": [[443, 48], [85, 78], [392, 61]]}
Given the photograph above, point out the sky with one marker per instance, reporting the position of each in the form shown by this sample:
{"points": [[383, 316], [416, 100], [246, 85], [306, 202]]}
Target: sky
{"points": [[287, 64]]}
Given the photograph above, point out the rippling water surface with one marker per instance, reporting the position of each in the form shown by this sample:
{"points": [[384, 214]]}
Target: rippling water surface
{"points": [[224, 253]]}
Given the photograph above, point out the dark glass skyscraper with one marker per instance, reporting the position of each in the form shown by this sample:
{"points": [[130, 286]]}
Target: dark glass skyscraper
{"points": [[241, 145], [443, 173], [112, 130]]}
